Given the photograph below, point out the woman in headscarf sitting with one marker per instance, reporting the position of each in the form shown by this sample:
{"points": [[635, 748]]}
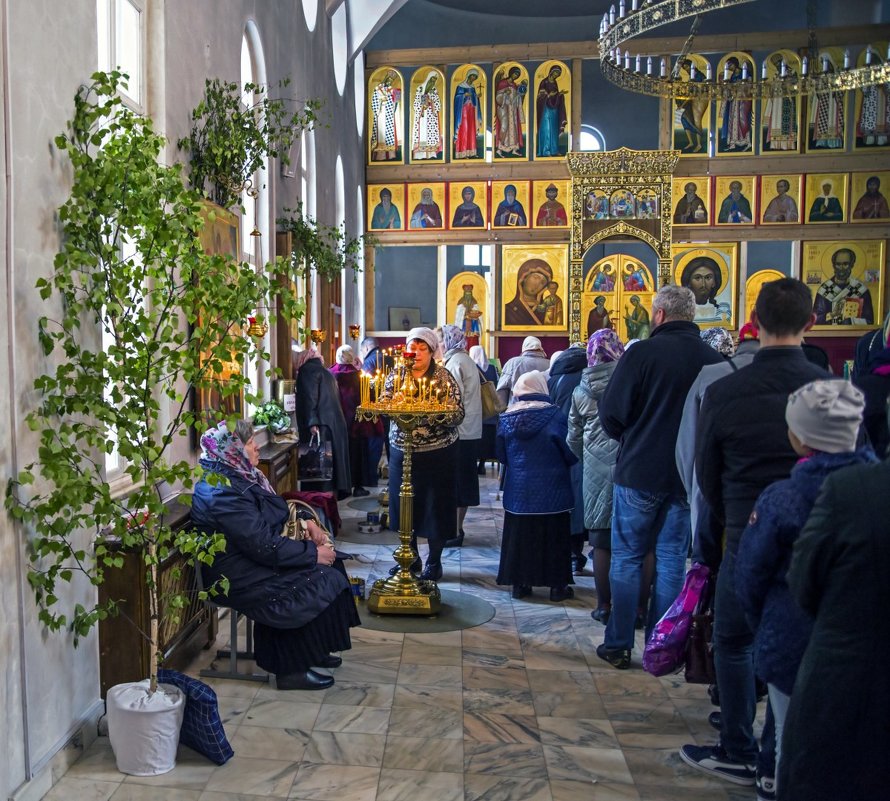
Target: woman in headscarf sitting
{"points": [[531, 443], [319, 414], [490, 424], [299, 599], [434, 459]]}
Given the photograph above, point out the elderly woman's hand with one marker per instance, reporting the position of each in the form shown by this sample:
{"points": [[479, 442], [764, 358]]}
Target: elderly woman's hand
{"points": [[326, 555], [316, 533]]}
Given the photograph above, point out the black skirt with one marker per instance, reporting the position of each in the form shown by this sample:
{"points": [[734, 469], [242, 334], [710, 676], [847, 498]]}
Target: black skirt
{"points": [[434, 476], [536, 550], [283, 651], [488, 450], [468, 472]]}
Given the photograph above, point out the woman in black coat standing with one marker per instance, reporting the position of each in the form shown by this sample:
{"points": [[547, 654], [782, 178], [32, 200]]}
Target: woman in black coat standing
{"points": [[319, 412], [297, 596]]}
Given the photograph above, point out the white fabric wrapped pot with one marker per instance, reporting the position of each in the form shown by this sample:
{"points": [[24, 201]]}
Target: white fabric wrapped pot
{"points": [[143, 728]]}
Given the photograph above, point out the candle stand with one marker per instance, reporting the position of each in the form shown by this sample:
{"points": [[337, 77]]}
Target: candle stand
{"points": [[402, 594]]}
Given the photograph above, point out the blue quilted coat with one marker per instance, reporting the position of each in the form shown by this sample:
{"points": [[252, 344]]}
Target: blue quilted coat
{"points": [[531, 443]]}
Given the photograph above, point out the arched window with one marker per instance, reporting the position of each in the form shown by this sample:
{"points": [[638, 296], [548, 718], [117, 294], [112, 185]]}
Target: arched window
{"points": [[358, 314], [310, 12], [340, 222], [121, 39], [358, 86], [591, 139], [339, 47]]}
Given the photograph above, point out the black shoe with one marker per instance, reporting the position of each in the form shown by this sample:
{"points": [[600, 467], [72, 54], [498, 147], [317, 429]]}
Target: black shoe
{"points": [[414, 568], [578, 563], [521, 591], [481, 469], [616, 657], [360, 492], [716, 720], [455, 542], [310, 680], [432, 571], [602, 614], [558, 594], [714, 760], [330, 661], [639, 623]]}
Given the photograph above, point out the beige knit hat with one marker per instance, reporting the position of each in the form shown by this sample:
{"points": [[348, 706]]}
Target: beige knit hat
{"points": [[826, 415]]}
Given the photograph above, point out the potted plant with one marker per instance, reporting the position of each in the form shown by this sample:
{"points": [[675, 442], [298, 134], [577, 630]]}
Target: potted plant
{"points": [[229, 140], [273, 416], [140, 318]]}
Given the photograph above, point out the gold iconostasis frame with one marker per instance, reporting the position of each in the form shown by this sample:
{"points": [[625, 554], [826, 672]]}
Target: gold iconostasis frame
{"points": [[608, 172]]}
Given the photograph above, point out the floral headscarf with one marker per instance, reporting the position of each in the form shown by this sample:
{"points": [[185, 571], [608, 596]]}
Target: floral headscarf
{"points": [[603, 346], [221, 447], [453, 338], [720, 340]]}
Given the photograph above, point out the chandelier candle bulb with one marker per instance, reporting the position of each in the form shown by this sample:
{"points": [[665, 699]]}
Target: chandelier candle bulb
{"points": [[692, 72], [634, 5], [804, 65], [763, 72], [726, 71], [649, 65], [638, 62], [626, 60], [621, 9], [824, 63], [783, 69], [846, 59], [744, 70], [708, 72], [612, 15], [868, 56], [664, 67]]}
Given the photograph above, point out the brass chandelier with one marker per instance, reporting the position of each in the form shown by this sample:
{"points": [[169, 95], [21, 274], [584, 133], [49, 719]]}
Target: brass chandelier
{"points": [[653, 75]]}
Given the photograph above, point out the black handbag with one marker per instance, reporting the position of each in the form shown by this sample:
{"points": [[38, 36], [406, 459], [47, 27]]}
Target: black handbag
{"points": [[699, 646], [315, 461]]}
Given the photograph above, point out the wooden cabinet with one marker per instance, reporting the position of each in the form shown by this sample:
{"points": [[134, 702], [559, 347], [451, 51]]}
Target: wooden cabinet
{"points": [[278, 463], [123, 649]]}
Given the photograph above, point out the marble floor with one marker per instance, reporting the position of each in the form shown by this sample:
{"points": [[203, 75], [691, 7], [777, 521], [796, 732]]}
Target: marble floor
{"points": [[517, 709]]}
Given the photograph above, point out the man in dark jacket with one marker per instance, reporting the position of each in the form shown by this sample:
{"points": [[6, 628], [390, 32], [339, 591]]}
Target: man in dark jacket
{"points": [[641, 408], [742, 447]]}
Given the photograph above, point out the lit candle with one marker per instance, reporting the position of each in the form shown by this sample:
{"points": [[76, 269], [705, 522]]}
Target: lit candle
{"points": [[638, 62], [648, 65], [847, 59], [804, 65], [868, 56], [763, 72]]}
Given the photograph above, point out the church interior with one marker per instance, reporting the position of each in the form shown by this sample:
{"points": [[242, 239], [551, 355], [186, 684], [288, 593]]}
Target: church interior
{"points": [[486, 165]]}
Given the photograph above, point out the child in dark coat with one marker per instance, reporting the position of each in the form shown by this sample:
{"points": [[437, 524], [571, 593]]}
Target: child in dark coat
{"points": [[823, 424]]}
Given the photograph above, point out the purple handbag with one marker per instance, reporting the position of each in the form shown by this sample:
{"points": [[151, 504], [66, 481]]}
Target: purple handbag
{"points": [[665, 651]]}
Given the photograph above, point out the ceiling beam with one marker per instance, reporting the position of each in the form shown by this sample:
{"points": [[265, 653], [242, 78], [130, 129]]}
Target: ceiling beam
{"points": [[542, 51]]}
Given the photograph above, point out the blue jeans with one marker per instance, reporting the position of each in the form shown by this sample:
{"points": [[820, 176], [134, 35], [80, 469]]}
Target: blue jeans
{"points": [[642, 522], [734, 664]]}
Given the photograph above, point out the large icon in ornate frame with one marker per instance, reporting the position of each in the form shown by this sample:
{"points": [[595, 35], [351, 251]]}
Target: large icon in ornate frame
{"points": [[534, 287], [868, 197], [781, 199], [692, 200], [510, 132], [553, 110], [826, 197], [468, 204], [871, 125], [427, 133], [712, 273], [735, 115], [551, 212], [386, 207], [618, 292], [734, 199], [426, 202], [846, 280], [468, 93], [692, 115], [385, 117], [780, 115]]}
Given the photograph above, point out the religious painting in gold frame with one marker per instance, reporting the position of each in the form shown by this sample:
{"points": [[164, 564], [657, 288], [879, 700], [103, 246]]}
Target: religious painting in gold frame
{"points": [[534, 287], [735, 115], [692, 115], [781, 198], [826, 197], [871, 123], [692, 200], [426, 202], [551, 212], [553, 110], [846, 280], [466, 301], [386, 113], [469, 87], [509, 204], [868, 197], [712, 273], [735, 199], [509, 124], [780, 116], [426, 142], [468, 205], [827, 111], [386, 207], [618, 292], [752, 289]]}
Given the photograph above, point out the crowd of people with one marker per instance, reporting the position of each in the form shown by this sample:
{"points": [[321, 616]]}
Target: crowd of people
{"points": [[750, 458]]}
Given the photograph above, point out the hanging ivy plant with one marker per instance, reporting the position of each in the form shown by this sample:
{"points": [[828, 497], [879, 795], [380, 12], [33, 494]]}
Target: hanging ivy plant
{"points": [[229, 141]]}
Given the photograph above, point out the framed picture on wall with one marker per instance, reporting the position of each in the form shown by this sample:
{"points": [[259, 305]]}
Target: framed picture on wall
{"points": [[386, 207], [553, 110], [385, 112], [692, 200], [428, 93], [403, 318], [868, 196], [469, 87], [712, 272], [734, 199], [426, 203], [692, 115], [827, 197], [509, 127], [735, 115], [468, 204], [827, 111], [752, 289], [780, 199], [548, 203], [534, 287], [846, 280], [870, 123], [780, 116], [512, 199]]}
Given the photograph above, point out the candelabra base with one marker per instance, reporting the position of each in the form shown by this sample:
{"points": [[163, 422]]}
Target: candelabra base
{"points": [[402, 594]]}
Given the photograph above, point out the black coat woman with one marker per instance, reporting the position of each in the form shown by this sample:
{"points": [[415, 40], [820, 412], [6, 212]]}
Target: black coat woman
{"points": [[299, 599]]}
